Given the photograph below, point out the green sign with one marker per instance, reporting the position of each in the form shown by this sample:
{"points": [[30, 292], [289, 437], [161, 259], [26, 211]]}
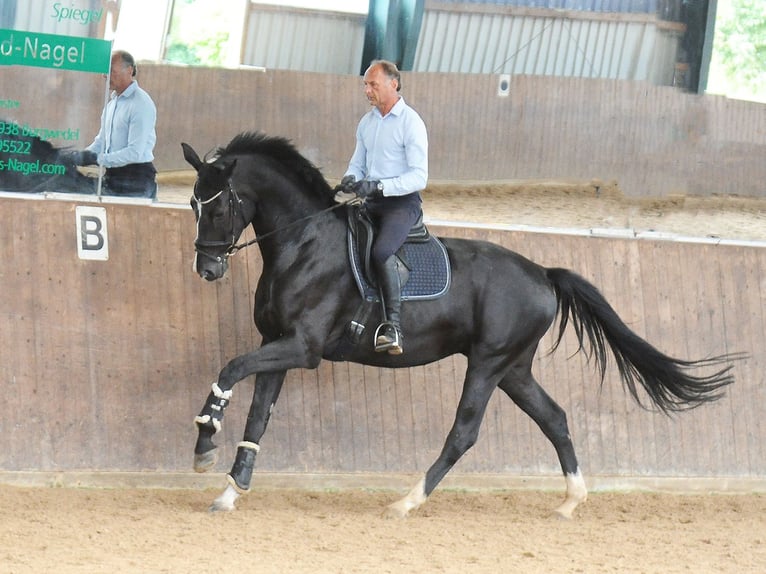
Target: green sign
{"points": [[19, 48]]}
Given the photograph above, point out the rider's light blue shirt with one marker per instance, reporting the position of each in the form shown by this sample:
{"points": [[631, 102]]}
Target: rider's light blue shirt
{"points": [[127, 133], [393, 149]]}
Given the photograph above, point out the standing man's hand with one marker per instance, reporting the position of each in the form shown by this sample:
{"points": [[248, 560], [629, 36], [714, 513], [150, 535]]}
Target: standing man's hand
{"points": [[84, 157]]}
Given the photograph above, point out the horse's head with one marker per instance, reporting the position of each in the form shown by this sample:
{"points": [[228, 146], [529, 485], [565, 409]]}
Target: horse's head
{"points": [[220, 213], [271, 177]]}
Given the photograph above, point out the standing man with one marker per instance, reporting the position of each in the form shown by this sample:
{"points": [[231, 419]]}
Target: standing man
{"points": [[388, 170], [125, 143]]}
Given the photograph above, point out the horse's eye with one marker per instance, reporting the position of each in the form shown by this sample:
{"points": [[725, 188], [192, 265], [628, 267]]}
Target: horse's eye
{"points": [[219, 213]]}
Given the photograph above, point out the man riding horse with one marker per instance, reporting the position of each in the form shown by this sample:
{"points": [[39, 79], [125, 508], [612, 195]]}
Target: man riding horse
{"points": [[388, 170]]}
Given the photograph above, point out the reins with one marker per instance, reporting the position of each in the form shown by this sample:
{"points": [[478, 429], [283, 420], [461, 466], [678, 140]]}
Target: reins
{"points": [[233, 248], [258, 238]]}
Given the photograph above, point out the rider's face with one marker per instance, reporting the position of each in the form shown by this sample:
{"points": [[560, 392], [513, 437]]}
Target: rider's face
{"points": [[380, 89]]}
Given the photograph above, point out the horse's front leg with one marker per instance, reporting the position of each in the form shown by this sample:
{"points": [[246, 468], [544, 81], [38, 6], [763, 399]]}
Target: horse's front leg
{"points": [[277, 356], [208, 423], [265, 395], [269, 363]]}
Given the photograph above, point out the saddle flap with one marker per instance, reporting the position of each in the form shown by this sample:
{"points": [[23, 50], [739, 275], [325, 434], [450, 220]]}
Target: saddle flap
{"points": [[425, 258]]}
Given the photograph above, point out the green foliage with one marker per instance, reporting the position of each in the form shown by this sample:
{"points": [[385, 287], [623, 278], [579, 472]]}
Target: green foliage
{"points": [[208, 51], [199, 32], [740, 42], [181, 54]]}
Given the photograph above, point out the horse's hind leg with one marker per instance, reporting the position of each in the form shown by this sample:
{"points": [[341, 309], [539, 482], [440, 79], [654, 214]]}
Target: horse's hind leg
{"points": [[523, 389], [478, 387], [265, 394]]}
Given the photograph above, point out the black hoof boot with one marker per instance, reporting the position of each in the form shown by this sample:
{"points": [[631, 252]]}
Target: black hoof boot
{"points": [[211, 415], [242, 469]]}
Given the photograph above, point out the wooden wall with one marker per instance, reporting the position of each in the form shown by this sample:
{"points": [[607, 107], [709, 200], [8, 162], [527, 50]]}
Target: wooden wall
{"points": [[653, 140], [104, 364]]}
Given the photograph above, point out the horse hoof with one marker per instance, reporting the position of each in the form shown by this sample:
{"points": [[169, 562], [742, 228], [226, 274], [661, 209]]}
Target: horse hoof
{"points": [[561, 515], [225, 502], [205, 461], [394, 511], [220, 507]]}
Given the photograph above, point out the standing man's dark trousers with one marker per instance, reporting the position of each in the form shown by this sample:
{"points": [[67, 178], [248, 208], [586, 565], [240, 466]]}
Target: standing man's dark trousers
{"points": [[133, 180], [393, 217]]}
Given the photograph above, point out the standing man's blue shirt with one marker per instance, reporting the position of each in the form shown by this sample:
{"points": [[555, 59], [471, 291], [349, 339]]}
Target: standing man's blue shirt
{"points": [[127, 134], [393, 149]]}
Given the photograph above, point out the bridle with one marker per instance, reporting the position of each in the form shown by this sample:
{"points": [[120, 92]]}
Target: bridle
{"points": [[235, 209]]}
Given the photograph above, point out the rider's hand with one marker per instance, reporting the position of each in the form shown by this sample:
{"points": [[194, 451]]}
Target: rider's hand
{"points": [[347, 182], [368, 188], [343, 192]]}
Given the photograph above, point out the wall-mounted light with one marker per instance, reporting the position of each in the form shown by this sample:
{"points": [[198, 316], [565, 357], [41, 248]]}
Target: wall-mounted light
{"points": [[503, 85]]}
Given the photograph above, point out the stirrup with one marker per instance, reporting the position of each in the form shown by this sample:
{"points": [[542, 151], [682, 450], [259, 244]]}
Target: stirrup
{"points": [[384, 343]]}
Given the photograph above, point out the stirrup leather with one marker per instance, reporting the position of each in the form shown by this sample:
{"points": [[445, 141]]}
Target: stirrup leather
{"points": [[384, 343]]}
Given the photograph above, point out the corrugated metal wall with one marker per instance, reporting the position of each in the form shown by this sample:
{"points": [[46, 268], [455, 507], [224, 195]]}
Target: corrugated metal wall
{"points": [[286, 38], [665, 9], [602, 39], [476, 38], [545, 42], [627, 6], [104, 364]]}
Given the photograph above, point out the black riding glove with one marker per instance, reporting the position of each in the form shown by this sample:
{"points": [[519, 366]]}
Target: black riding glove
{"points": [[368, 188], [347, 182], [344, 192]]}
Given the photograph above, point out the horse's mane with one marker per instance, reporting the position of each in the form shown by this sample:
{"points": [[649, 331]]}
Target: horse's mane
{"points": [[283, 151]]}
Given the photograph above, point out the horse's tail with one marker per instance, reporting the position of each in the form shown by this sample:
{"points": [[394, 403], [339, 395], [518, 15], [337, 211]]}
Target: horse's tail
{"points": [[665, 379]]}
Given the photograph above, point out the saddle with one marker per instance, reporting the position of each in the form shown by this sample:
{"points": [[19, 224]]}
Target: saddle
{"points": [[423, 263], [424, 268]]}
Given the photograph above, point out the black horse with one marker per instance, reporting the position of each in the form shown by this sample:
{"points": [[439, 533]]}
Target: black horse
{"points": [[498, 307], [31, 164]]}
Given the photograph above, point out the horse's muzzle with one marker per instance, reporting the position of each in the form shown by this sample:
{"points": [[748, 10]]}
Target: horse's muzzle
{"points": [[211, 269]]}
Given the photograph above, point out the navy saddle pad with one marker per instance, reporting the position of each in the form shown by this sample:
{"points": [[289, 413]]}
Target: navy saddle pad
{"points": [[425, 257]]}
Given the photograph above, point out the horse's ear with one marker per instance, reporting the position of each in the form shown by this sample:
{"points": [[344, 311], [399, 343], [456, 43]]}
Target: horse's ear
{"points": [[191, 156]]}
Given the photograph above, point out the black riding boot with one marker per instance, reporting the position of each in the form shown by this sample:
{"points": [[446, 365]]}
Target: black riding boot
{"points": [[388, 336]]}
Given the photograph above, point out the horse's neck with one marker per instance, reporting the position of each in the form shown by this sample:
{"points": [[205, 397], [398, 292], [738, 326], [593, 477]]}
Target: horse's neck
{"points": [[286, 239]]}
